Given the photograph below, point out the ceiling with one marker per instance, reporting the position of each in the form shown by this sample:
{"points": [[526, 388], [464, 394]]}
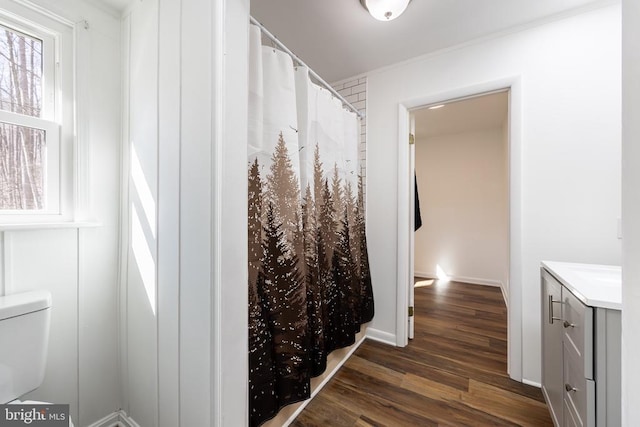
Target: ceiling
{"points": [[339, 39], [472, 114]]}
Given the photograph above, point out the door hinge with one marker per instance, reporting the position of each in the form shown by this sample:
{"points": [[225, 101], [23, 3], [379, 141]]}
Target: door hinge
{"points": [[410, 311], [412, 139]]}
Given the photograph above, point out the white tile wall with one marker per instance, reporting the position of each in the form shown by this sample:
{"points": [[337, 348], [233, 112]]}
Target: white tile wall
{"points": [[355, 91]]}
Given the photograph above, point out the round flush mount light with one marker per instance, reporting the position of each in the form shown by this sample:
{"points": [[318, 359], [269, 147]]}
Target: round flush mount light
{"points": [[385, 10]]}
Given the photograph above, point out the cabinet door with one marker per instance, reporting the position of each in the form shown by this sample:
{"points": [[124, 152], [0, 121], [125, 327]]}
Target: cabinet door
{"points": [[552, 362], [579, 391]]}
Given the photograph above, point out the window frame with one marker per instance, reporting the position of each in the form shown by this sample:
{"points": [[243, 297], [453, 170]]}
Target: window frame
{"points": [[57, 113], [51, 172]]}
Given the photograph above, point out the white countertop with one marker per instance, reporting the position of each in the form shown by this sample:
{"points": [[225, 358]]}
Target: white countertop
{"points": [[594, 285]]}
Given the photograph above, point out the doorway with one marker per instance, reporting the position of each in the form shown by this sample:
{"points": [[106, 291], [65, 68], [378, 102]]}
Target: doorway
{"points": [[405, 216], [462, 179]]}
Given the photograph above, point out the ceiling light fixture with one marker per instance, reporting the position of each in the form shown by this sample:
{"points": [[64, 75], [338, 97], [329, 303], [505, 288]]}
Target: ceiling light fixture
{"points": [[385, 10], [435, 107]]}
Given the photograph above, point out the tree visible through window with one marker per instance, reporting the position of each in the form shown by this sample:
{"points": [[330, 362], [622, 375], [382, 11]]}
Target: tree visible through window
{"points": [[22, 148]]}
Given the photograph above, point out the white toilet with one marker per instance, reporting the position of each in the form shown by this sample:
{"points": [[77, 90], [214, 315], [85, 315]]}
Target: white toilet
{"points": [[24, 337]]}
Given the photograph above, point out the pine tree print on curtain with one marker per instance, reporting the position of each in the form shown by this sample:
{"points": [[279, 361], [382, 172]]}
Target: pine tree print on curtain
{"points": [[309, 286], [300, 307]]}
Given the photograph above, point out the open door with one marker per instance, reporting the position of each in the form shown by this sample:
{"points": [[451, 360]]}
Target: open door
{"points": [[405, 180], [412, 220]]}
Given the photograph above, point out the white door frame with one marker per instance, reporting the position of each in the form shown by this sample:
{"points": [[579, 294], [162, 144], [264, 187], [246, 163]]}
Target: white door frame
{"points": [[412, 224], [514, 305]]}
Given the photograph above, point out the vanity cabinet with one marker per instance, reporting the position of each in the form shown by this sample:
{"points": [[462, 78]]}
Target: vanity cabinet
{"points": [[552, 386], [580, 346]]}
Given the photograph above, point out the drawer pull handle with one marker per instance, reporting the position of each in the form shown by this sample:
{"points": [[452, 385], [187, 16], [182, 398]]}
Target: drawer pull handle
{"points": [[551, 316], [568, 325], [570, 388]]}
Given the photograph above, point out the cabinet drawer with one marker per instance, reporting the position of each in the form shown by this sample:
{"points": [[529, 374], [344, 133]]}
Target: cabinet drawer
{"points": [[579, 392], [578, 331]]}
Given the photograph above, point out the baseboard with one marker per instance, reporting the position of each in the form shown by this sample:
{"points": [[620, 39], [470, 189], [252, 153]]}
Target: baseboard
{"points": [[381, 336], [465, 279], [317, 389], [424, 275], [115, 419], [110, 420], [531, 383], [476, 281], [505, 297], [472, 280]]}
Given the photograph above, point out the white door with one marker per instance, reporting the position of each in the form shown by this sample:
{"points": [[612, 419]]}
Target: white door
{"points": [[412, 168]]}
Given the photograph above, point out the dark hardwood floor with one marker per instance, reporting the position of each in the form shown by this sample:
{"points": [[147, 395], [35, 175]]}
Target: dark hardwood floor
{"points": [[454, 373]]}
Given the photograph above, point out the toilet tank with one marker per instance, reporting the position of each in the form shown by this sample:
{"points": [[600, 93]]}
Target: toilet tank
{"points": [[24, 336]]}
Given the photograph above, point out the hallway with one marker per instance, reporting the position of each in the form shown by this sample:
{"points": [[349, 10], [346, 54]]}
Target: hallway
{"points": [[453, 373]]}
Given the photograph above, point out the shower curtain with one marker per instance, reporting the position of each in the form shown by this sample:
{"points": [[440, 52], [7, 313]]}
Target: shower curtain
{"points": [[309, 282]]}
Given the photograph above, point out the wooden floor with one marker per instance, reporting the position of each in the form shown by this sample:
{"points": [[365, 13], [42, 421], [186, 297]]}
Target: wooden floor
{"points": [[454, 373]]}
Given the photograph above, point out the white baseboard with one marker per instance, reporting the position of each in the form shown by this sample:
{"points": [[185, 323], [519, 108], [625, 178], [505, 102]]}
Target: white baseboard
{"points": [[472, 280], [127, 420], [531, 383], [381, 336], [505, 297], [465, 279], [108, 421], [119, 418], [424, 275], [476, 281], [323, 383]]}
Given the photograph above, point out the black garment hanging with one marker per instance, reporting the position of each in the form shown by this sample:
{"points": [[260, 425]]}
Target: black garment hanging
{"points": [[418, 219]]}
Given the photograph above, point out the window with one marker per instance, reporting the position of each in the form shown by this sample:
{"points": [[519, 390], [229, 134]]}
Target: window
{"points": [[28, 135], [33, 156]]}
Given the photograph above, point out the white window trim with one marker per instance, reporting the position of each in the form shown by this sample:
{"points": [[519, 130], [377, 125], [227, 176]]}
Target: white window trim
{"points": [[70, 102]]}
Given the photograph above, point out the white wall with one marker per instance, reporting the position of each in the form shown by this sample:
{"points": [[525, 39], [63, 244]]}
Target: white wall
{"points": [[630, 212], [462, 185], [570, 168], [79, 266], [139, 305], [185, 280]]}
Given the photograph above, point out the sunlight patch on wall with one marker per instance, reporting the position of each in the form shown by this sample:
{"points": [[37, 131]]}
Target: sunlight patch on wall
{"points": [[143, 190], [144, 259], [442, 276]]}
